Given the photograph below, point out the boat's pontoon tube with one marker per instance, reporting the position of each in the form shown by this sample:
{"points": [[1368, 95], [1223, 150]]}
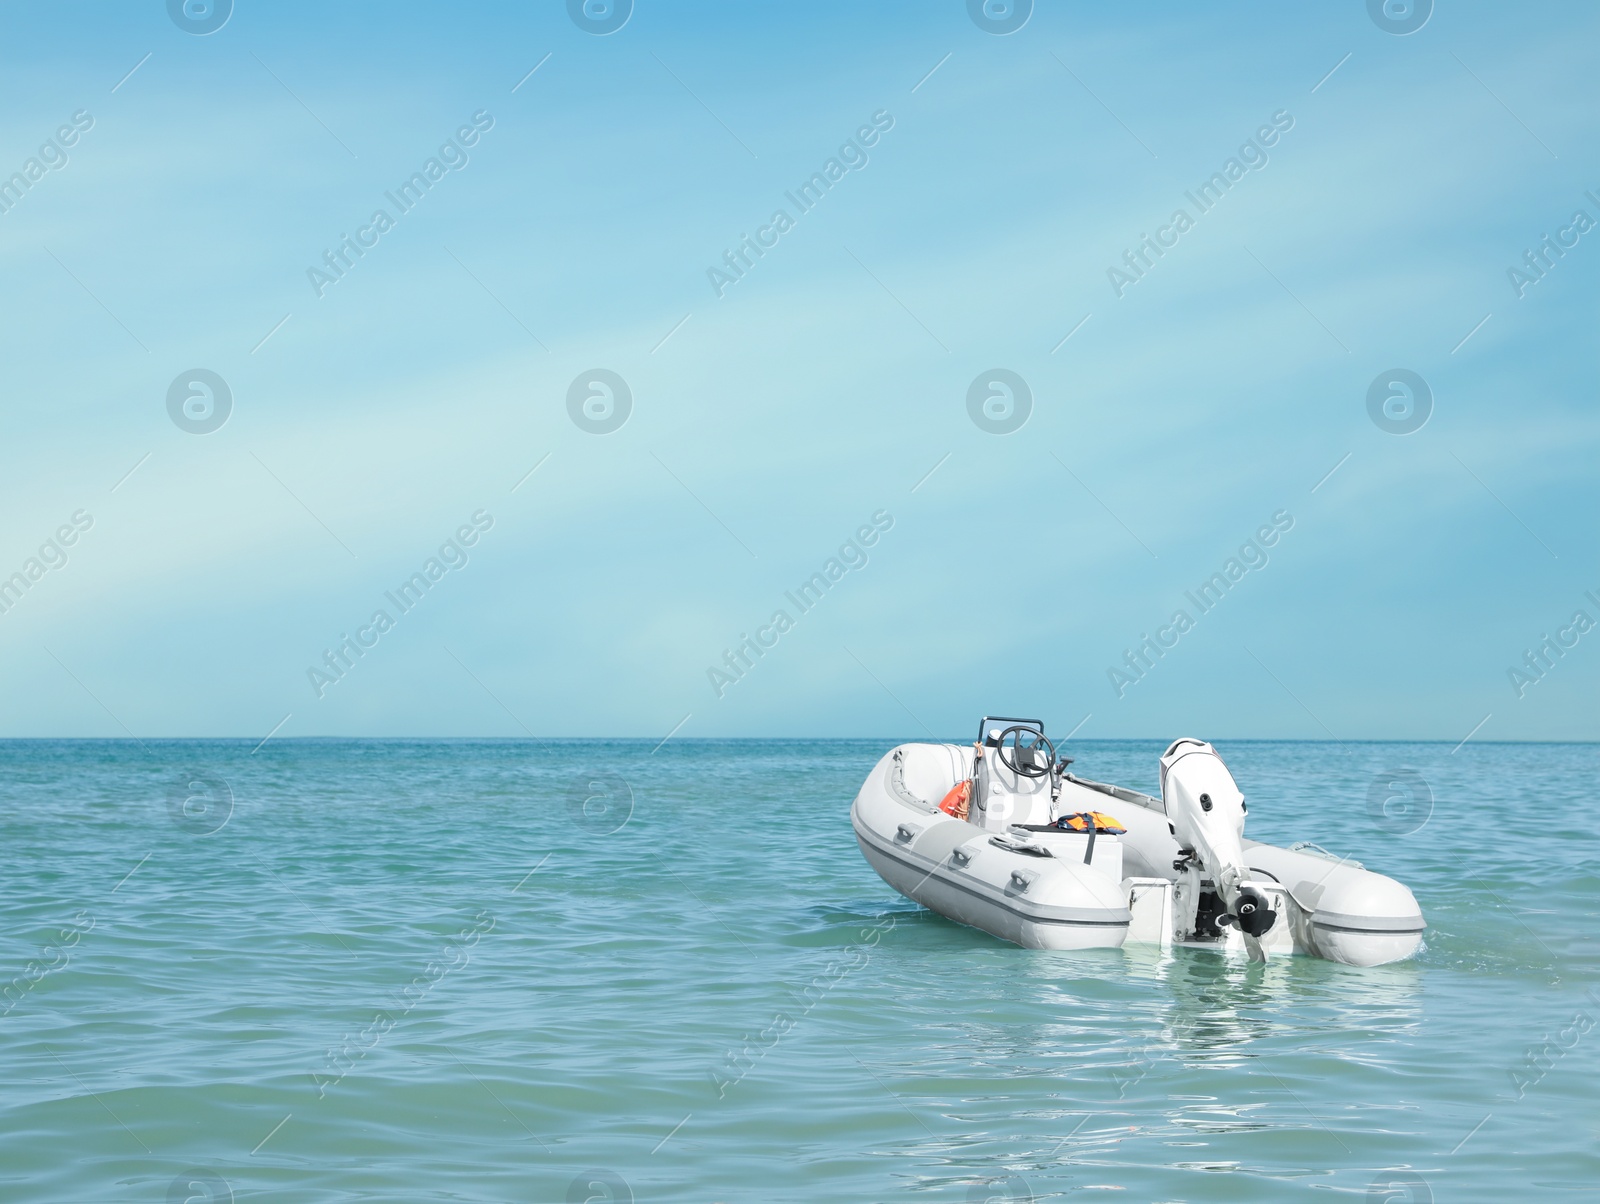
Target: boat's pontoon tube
{"points": [[1046, 859]]}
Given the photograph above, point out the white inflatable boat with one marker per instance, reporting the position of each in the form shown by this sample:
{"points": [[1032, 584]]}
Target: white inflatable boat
{"points": [[1002, 837]]}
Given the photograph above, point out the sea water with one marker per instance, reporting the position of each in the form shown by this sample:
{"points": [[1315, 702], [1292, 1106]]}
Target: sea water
{"points": [[609, 971]]}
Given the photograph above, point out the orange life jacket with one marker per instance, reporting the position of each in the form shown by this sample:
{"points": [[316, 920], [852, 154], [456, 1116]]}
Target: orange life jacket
{"points": [[956, 802], [1080, 823]]}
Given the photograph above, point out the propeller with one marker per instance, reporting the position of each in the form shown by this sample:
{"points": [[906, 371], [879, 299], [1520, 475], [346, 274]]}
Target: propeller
{"points": [[1255, 917], [1252, 913]]}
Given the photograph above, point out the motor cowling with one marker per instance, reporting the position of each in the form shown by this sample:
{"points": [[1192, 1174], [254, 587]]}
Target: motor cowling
{"points": [[1204, 805], [1207, 810]]}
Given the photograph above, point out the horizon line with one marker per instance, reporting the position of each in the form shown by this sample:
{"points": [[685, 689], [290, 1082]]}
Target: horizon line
{"points": [[890, 741]]}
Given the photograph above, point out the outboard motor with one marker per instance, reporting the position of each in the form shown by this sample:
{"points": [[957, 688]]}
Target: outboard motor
{"points": [[1206, 811]]}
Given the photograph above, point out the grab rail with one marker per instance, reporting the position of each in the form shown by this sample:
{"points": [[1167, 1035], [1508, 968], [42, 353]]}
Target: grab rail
{"points": [[1316, 850], [1135, 797], [897, 785]]}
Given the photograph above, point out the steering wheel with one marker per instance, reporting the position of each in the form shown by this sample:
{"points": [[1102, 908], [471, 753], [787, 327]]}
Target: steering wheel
{"points": [[1024, 743]]}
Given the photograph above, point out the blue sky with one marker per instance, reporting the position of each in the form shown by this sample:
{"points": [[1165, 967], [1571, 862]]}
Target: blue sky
{"points": [[770, 423]]}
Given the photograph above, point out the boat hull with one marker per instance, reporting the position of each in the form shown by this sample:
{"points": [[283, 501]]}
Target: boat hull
{"points": [[1066, 914], [956, 869], [1329, 907]]}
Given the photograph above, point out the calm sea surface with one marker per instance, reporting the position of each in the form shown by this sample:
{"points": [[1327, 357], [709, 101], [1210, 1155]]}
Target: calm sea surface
{"points": [[583, 971]]}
